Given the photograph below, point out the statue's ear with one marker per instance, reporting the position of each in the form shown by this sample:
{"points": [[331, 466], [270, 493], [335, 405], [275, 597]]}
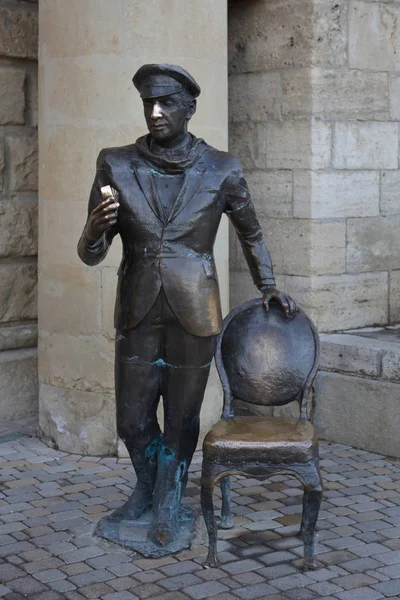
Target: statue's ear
{"points": [[191, 109]]}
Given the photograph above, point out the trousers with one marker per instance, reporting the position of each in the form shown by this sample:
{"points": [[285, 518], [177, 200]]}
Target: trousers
{"points": [[159, 358]]}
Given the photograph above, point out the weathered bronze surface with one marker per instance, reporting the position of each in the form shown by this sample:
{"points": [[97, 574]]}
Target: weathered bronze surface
{"points": [[285, 440], [269, 359], [264, 359], [165, 195]]}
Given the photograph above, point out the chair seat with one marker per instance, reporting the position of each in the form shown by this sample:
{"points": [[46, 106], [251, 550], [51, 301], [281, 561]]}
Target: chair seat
{"points": [[261, 439]]}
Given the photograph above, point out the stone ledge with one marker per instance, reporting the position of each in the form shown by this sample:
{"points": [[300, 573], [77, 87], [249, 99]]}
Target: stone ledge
{"points": [[372, 353], [357, 390], [358, 411]]}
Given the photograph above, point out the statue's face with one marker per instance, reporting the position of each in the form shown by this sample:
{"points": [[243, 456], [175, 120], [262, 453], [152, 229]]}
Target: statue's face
{"points": [[166, 117]]}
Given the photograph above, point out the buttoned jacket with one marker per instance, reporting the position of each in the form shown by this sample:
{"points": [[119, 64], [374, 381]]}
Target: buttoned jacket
{"points": [[176, 253]]}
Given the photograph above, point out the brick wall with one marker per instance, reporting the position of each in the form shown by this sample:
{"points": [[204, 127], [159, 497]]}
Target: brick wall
{"points": [[18, 207], [314, 111]]}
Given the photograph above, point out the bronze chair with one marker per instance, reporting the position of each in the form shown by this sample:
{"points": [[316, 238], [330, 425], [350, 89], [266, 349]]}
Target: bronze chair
{"points": [[264, 359]]}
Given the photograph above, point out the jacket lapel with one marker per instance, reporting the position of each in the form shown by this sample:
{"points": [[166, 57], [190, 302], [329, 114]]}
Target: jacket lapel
{"points": [[146, 183], [193, 178]]}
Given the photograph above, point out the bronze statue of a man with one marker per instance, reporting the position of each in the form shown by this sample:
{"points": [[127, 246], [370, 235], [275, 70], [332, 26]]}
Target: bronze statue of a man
{"points": [[168, 192]]}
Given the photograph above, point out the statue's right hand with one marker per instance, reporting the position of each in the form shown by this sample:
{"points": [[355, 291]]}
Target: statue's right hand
{"points": [[102, 218]]}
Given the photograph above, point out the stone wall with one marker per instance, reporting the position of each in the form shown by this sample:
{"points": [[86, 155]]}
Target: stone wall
{"points": [[18, 208], [314, 119]]}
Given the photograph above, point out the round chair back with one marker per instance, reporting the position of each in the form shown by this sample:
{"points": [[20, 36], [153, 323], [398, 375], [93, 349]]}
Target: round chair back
{"points": [[265, 358]]}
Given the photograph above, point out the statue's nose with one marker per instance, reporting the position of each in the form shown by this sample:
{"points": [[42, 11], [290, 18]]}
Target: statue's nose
{"points": [[156, 112]]}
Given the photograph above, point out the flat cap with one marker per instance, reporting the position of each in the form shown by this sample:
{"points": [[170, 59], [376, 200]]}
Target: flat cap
{"points": [[155, 80]]}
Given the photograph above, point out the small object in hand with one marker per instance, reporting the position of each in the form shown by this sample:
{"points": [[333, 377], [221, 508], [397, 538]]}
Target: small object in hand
{"points": [[110, 203], [107, 192]]}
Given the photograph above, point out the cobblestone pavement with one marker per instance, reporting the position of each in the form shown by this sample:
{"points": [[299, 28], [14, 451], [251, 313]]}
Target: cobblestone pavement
{"points": [[50, 502]]}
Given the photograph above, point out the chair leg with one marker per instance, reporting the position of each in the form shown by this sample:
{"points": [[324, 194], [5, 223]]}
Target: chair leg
{"points": [[311, 504], [226, 515], [303, 524], [207, 507]]}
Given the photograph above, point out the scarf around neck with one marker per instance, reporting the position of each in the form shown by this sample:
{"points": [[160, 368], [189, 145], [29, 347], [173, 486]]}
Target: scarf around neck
{"points": [[171, 160]]}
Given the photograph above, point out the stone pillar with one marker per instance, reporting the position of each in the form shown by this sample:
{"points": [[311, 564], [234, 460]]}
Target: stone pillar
{"points": [[18, 209], [89, 50], [314, 118]]}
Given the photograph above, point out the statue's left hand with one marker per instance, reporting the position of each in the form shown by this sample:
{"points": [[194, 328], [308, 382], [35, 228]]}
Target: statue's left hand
{"points": [[287, 303]]}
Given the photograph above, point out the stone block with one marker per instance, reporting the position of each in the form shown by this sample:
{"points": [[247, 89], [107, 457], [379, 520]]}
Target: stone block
{"points": [[81, 103], [353, 354], [371, 145], [391, 362], [18, 384], [394, 97], [326, 240], [18, 292], [100, 38], [390, 196], [271, 192], [190, 22], [359, 412], [24, 162], [244, 144], [305, 247], [330, 195], [255, 96], [76, 291], [373, 243], [374, 37], [33, 97], [286, 33], [18, 33], [394, 297], [296, 144], [339, 302], [1, 163], [19, 336], [333, 94], [78, 422], [83, 363], [12, 96], [18, 228], [108, 293]]}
